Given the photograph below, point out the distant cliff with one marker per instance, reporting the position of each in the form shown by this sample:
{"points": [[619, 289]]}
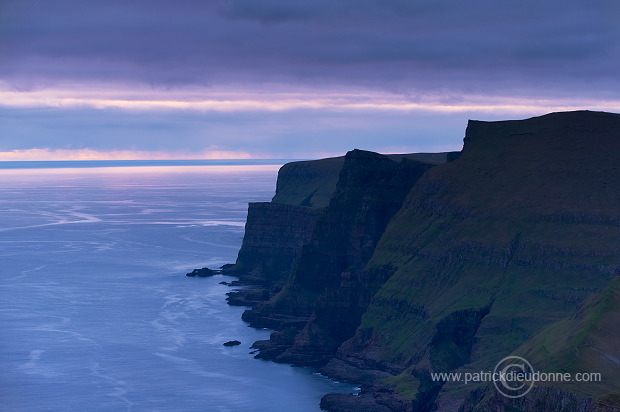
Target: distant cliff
{"points": [[274, 235], [276, 231], [402, 266]]}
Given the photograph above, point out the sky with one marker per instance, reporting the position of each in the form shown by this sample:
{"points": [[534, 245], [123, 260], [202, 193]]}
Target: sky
{"points": [[201, 79]]}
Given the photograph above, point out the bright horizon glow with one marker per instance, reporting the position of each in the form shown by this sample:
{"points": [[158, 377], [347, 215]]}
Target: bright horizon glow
{"points": [[172, 124], [47, 154], [257, 101], [126, 170], [90, 154]]}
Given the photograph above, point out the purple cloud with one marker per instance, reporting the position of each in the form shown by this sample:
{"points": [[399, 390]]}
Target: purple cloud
{"points": [[407, 46]]}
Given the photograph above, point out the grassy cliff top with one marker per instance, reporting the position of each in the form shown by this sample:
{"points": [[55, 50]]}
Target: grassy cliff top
{"points": [[560, 163], [312, 182], [308, 183]]}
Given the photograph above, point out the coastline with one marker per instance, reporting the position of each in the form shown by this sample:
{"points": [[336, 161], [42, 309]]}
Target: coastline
{"points": [[382, 270]]}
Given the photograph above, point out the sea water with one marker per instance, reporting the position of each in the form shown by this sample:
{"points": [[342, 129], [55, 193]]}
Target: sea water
{"points": [[95, 311]]}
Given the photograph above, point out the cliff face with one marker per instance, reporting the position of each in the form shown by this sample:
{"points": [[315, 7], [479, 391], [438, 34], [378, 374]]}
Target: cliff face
{"points": [[274, 236], [491, 248], [312, 183], [370, 189], [276, 231], [414, 268]]}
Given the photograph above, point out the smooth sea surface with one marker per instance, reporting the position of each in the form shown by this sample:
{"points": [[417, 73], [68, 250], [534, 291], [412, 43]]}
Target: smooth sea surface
{"points": [[95, 311]]}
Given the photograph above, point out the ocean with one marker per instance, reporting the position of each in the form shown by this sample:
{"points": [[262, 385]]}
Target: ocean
{"points": [[95, 311]]}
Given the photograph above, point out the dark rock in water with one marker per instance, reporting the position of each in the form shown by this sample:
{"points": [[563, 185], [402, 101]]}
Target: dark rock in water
{"points": [[202, 273], [225, 283], [232, 343]]}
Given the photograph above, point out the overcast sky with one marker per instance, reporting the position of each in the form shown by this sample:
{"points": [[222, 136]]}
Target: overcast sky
{"points": [[291, 78]]}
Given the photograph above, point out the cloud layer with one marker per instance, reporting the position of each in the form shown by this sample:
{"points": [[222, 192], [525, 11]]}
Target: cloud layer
{"points": [[479, 57], [407, 46]]}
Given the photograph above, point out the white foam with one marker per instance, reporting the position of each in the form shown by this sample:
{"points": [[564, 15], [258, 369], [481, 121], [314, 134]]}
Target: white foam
{"points": [[32, 367]]}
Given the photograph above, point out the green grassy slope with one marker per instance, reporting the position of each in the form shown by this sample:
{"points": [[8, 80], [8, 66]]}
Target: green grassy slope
{"points": [[583, 348], [308, 183], [312, 182], [587, 341], [496, 245]]}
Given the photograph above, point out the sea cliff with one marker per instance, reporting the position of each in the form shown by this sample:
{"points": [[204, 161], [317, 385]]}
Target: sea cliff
{"points": [[382, 270]]}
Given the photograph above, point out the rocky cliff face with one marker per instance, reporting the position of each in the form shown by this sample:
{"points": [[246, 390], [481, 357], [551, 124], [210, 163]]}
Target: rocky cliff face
{"points": [[412, 269], [274, 236], [276, 231], [491, 248], [370, 189]]}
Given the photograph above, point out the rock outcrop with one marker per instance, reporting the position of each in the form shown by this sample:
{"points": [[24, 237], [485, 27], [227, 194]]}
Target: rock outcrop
{"points": [[202, 273]]}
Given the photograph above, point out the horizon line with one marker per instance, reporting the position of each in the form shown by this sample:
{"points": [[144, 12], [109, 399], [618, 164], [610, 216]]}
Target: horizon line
{"points": [[42, 164]]}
